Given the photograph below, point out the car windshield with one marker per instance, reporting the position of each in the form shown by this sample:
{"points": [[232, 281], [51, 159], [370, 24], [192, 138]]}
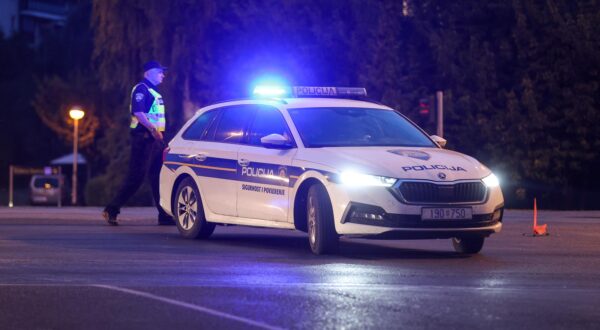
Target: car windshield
{"points": [[45, 183], [344, 127]]}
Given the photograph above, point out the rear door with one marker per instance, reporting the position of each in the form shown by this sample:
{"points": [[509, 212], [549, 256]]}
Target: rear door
{"points": [[213, 157]]}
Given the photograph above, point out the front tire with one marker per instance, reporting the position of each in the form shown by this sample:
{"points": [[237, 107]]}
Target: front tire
{"points": [[189, 212], [322, 236], [468, 245]]}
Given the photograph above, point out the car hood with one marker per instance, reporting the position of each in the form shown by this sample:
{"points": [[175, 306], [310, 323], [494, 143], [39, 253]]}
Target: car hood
{"points": [[398, 162]]}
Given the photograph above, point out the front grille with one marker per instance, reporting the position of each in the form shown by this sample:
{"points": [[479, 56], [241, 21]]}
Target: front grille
{"points": [[427, 192]]}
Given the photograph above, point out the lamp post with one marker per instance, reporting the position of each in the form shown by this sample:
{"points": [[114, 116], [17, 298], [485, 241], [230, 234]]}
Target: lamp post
{"points": [[75, 114]]}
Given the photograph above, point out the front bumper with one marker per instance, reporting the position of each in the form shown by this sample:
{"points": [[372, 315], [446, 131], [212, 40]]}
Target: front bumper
{"points": [[380, 213], [408, 226], [432, 233], [376, 216]]}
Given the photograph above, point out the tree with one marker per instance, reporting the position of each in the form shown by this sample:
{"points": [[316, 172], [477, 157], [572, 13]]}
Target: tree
{"points": [[558, 46], [194, 38], [520, 78], [24, 140], [54, 111], [127, 34]]}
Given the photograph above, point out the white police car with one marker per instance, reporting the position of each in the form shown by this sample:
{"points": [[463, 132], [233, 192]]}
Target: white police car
{"points": [[328, 166]]}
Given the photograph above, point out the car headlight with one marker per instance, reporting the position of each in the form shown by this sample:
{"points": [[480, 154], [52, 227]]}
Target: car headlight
{"points": [[491, 181], [358, 179]]}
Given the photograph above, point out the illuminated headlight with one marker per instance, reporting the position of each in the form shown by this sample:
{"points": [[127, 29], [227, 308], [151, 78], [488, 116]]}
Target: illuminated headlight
{"points": [[358, 179], [491, 181]]}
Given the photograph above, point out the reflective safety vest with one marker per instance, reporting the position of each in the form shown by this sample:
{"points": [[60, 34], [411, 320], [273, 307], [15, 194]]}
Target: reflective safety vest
{"points": [[156, 115]]}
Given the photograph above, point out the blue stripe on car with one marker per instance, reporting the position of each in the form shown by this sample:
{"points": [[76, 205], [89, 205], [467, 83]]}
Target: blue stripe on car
{"points": [[228, 169]]}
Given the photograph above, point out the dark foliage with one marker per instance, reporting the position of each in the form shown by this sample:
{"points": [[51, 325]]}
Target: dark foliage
{"points": [[520, 78]]}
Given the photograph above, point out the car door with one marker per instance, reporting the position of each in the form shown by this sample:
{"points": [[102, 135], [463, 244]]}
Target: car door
{"points": [[263, 191], [213, 157]]}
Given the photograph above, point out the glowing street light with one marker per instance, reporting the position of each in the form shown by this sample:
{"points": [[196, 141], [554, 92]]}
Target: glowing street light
{"points": [[76, 115]]}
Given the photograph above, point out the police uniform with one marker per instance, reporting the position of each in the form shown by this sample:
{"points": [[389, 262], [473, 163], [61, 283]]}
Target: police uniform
{"points": [[146, 151], [145, 98]]}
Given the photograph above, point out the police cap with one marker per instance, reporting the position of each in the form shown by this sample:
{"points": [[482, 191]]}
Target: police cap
{"points": [[153, 65]]}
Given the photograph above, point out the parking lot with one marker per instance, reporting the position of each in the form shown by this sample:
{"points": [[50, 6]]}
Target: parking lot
{"points": [[63, 268]]}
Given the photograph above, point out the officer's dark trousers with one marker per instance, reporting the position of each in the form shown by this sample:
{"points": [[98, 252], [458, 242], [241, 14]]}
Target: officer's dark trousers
{"points": [[146, 158]]}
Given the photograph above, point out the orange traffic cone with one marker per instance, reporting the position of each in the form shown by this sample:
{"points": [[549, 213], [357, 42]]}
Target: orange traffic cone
{"points": [[540, 230]]}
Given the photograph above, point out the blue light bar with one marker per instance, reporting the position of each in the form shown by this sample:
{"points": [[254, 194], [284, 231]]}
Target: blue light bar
{"points": [[277, 91]]}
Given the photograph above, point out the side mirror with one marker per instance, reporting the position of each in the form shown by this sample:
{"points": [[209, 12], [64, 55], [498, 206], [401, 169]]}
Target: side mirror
{"points": [[439, 140], [275, 141]]}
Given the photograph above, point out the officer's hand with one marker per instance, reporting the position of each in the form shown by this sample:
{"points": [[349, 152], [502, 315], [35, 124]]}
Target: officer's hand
{"points": [[157, 135]]}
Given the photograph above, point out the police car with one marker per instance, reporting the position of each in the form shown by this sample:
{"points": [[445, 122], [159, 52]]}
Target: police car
{"points": [[322, 161]]}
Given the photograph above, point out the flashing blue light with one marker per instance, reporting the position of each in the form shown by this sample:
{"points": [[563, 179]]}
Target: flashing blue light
{"points": [[270, 91]]}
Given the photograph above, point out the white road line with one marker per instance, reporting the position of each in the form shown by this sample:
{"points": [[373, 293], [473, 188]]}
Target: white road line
{"points": [[341, 286], [190, 306]]}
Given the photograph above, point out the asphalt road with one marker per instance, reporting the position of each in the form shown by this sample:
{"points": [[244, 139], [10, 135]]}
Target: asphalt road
{"points": [[65, 269]]}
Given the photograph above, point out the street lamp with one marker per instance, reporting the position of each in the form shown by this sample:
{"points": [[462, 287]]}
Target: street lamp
{"points": [[75, 114]]}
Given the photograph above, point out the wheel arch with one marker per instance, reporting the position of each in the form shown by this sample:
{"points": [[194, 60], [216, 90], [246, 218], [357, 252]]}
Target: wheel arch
{"points": [[179, 179], [300, 203]]}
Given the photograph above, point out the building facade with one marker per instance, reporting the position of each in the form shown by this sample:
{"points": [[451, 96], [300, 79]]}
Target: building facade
{"points": [[33, 18]]}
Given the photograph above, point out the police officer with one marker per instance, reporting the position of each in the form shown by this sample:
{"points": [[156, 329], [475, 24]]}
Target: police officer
{"points": [[146, 131]]}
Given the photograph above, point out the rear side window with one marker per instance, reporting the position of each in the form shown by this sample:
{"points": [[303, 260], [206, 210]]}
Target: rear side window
{"points": [[233, 122], [197, 129]]}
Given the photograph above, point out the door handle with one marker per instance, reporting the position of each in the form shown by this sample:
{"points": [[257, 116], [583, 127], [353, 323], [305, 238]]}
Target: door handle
{"points": [[243, 162], [200, 157]]}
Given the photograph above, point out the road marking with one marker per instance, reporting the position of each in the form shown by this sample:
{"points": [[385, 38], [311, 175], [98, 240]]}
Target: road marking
{"points": [[336, 286], [189, 306]]}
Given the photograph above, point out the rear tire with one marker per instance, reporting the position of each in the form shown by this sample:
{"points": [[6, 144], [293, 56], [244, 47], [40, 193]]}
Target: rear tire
{"points": [[322, 236], [468, 245], [188, 212]]}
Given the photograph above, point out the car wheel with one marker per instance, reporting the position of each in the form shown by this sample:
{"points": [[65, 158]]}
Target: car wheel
{"points": [[322, 236], [189, 213], [468, 245]]}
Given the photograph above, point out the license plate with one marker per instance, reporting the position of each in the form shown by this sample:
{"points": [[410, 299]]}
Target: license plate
{"points": [[40, 199], [446, 213]]}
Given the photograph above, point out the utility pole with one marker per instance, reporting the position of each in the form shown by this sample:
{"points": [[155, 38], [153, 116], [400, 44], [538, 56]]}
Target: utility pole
{"points": [[440, 113], [76, 115], [10, 186]]}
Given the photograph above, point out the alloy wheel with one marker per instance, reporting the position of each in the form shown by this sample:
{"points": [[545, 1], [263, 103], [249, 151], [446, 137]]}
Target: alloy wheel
{"points": [[187, 208], [312, 220]]}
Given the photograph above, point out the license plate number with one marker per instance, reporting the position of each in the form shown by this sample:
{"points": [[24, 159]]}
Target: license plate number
{"points": [[446, 213]]}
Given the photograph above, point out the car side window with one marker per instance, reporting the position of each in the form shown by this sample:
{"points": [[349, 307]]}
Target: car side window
{"points": [[267, 121], [196, 130], [233, 123]]}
